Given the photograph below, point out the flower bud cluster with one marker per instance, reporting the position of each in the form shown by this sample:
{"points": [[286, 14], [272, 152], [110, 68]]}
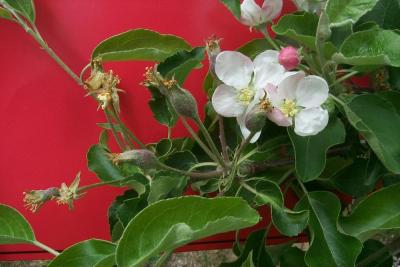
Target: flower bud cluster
{"points": [[181, 100], [35, 199], [153, 78], [103, 86], [143, 158], [213, 49]]}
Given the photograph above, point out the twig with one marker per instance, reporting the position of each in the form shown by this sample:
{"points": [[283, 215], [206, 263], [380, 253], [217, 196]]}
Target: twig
{"points": [[222, 138]]}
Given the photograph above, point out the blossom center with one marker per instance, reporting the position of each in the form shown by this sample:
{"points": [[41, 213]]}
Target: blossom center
{"points": [[289, 108], [245, 96]]}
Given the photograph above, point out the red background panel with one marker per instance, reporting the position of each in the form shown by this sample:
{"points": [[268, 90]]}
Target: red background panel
{"points": [[47, 124]]}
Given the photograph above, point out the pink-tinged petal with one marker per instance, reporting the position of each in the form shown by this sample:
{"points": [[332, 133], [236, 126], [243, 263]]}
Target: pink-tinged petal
{"points": [[288, 86], [272, 9], [245, 132], [224, 101], [272, 94], [312, 91], [251, 13], [234, 69], [276, 116], [310, 121]]}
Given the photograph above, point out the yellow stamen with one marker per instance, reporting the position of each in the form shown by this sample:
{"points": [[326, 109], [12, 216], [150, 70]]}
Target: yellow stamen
{"points": [[289, 108], [245, 96]]}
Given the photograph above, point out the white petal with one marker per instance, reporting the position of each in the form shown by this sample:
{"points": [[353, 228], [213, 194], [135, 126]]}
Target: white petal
{"points": [[276, 116], [312, 91], [272, 9], [288, 86], [310, 121], [224, 101], [268, 56], [267, 69], [245, 132], [251, 13], [234, 69]]}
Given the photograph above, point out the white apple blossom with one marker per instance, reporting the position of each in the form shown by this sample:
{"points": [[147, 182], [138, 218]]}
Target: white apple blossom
{"points": [[243, 83], [253, 15], [299, 98]]}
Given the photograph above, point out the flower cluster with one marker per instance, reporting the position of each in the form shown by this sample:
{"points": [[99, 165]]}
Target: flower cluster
{"points": [[288, 97], [103, 86], [35, 199], [253, 15]]}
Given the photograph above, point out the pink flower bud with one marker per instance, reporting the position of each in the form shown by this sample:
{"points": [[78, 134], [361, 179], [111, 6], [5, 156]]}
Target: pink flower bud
{"points": [[289, 57]]}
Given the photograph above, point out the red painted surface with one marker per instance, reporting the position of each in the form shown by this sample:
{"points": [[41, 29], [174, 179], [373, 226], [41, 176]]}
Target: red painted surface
{"points": [[47, 123]]}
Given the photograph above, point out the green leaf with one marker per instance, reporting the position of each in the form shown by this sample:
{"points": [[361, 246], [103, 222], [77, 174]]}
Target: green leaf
{"points": [[163, 147], [104, 139], [122, 210], [254, 47], [5, 14], [370, 247], [162, 109], [293, 257], [370, 48], [342, 12], [106, 262], [84, 254], [180, 64], [139, 44], [365, 113], [328, 247], [166, 185], [312, 6], [359, 178], [394, 78], [233, 6], [288, 222], [310, 151], [183, 160], [101, 165], [171, 223], [383, 14], [249, 261], [299, 27], [24, 7], [379, 211], [14, 228], [339, 34], [255, 250]]}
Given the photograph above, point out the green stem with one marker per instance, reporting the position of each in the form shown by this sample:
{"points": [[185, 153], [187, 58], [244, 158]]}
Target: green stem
{"points": [[46, 248], [222, 138], [113, 130], [198, 140], [90, 186], [303, 187], [211, 143], [243, 145], [33, 31], [264, 31], [193, 175], [338, 100], [344, 77], [125, 130]]}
